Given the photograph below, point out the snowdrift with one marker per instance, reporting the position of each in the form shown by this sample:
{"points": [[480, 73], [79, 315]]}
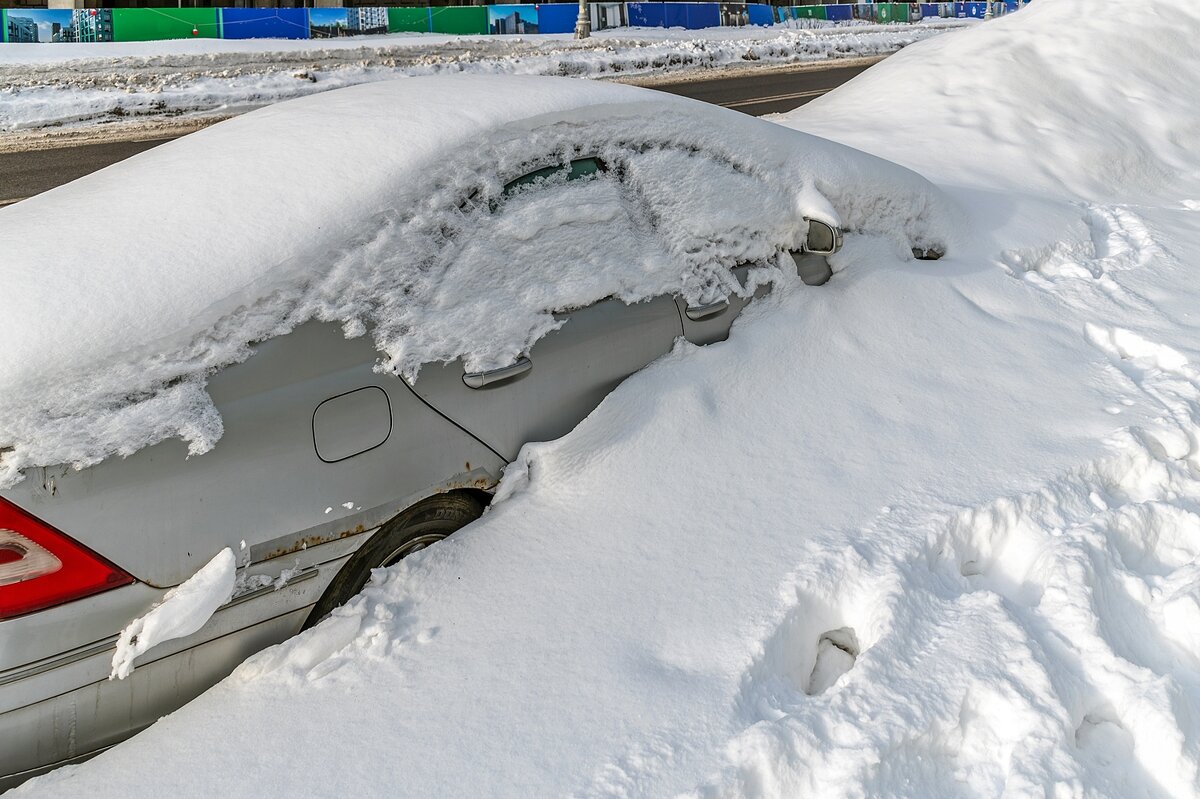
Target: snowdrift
{"points": [[1093, 101]]}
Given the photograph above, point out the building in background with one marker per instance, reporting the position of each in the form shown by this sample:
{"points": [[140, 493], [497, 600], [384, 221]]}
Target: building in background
{"points": [[367, 20], [89, 25], [22, 29], [520, 20]]}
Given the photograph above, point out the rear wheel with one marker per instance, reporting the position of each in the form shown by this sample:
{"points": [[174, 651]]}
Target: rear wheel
{"points": [[423, 524]]}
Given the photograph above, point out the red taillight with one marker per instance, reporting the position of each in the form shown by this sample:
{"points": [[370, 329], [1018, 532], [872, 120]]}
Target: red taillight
{"points": [[40, 567]]}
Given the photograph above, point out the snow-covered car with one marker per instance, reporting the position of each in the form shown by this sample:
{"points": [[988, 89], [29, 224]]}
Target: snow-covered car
{"points": [[303, 343]]}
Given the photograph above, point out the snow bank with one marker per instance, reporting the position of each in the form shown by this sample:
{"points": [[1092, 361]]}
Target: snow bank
{"points": [[1063, 90], [183, 610], [94, 83], [217, 241]]}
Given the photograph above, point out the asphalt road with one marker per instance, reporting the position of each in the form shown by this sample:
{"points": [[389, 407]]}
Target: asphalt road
{"points": [[765, 92], [25, 174]]}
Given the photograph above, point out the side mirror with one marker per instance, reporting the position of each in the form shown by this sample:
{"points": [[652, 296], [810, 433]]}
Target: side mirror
{"points": [[823, 238], [812, 268]]}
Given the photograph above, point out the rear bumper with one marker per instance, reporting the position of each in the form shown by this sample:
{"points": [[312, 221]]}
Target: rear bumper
{"points": [[61, 709]]}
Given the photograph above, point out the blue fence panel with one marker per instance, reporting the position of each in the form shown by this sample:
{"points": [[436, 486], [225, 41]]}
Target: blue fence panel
{"points": [[263, 23], [970, 9], [839, 12], [675, 15], [929, 10], [557, 17], [645, 15], [760, 14], [703, 15]]}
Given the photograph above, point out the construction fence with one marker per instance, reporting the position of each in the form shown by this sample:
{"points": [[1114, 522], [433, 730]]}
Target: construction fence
{"points": [[147, 24]]}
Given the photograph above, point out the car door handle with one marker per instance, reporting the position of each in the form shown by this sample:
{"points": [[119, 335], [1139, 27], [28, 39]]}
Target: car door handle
{"points": [[493, 376], [699, 312]]}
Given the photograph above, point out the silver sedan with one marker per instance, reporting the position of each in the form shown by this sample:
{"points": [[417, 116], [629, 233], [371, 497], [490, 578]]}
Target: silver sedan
{"points": [[311, 415]]}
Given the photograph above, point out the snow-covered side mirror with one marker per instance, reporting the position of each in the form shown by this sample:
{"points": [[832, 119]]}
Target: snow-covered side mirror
{"points": [[823, 238]]}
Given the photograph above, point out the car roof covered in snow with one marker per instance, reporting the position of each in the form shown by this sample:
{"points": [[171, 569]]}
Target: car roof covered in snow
{"points": [[164, 266]]}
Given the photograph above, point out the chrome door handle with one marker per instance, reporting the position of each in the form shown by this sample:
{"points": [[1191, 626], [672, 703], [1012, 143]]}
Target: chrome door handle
{"points": [[698, 312], [493, 376]]}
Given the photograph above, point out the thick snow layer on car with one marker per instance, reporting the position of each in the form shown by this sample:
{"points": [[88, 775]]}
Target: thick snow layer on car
{"points": [[929, 530], [96, 83], [382, 207]]}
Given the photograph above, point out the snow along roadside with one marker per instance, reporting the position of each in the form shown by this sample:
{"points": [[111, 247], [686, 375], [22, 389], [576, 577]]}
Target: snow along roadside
{"points": [[43, 88], [153, 127]]}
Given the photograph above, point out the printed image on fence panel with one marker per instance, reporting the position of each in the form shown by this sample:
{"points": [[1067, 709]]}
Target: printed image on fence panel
{"points": [[50, 26], [505, 20], [607, 15], [264, 23], [331, 23]]}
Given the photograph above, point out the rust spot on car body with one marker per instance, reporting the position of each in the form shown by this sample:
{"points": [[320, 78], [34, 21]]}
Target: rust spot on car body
{"points": [[482, 483], [313, 540], [478, 484]]}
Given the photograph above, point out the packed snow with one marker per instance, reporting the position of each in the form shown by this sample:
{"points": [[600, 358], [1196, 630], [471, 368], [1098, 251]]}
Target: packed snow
{"points": [[183, 610], [928, 530], [87, 84], [410, 246]]}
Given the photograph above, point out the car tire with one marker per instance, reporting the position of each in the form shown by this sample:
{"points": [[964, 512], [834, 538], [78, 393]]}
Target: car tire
{"points": [[425, 523]]}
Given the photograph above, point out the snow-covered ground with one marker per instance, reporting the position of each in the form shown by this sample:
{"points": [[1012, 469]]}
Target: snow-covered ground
{"points": [[929, 530], [50, 85]]}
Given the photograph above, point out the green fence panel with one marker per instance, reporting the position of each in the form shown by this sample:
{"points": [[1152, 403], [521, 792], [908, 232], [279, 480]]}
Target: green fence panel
{"points": [[408, 19], [891, 12], [149, 24], [3, 25], [460, 19], [808, 12]]}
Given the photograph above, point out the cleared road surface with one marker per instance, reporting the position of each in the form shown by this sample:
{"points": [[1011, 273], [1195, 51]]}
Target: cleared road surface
{"points": [[766, 91], [24, 174]]}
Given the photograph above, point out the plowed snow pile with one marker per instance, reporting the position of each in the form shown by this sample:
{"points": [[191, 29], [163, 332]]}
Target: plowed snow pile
{"points": [[929, 530]]}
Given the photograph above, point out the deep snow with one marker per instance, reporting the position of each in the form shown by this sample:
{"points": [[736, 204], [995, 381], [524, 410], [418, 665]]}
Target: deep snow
{"points": [[928, 530], [90, 84]]}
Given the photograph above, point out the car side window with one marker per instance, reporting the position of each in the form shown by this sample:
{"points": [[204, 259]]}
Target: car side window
{"points": [[575, 170]]}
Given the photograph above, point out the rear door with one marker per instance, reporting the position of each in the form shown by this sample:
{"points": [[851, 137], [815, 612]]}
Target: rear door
{"points": [[565, 376], [564, 222]]}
